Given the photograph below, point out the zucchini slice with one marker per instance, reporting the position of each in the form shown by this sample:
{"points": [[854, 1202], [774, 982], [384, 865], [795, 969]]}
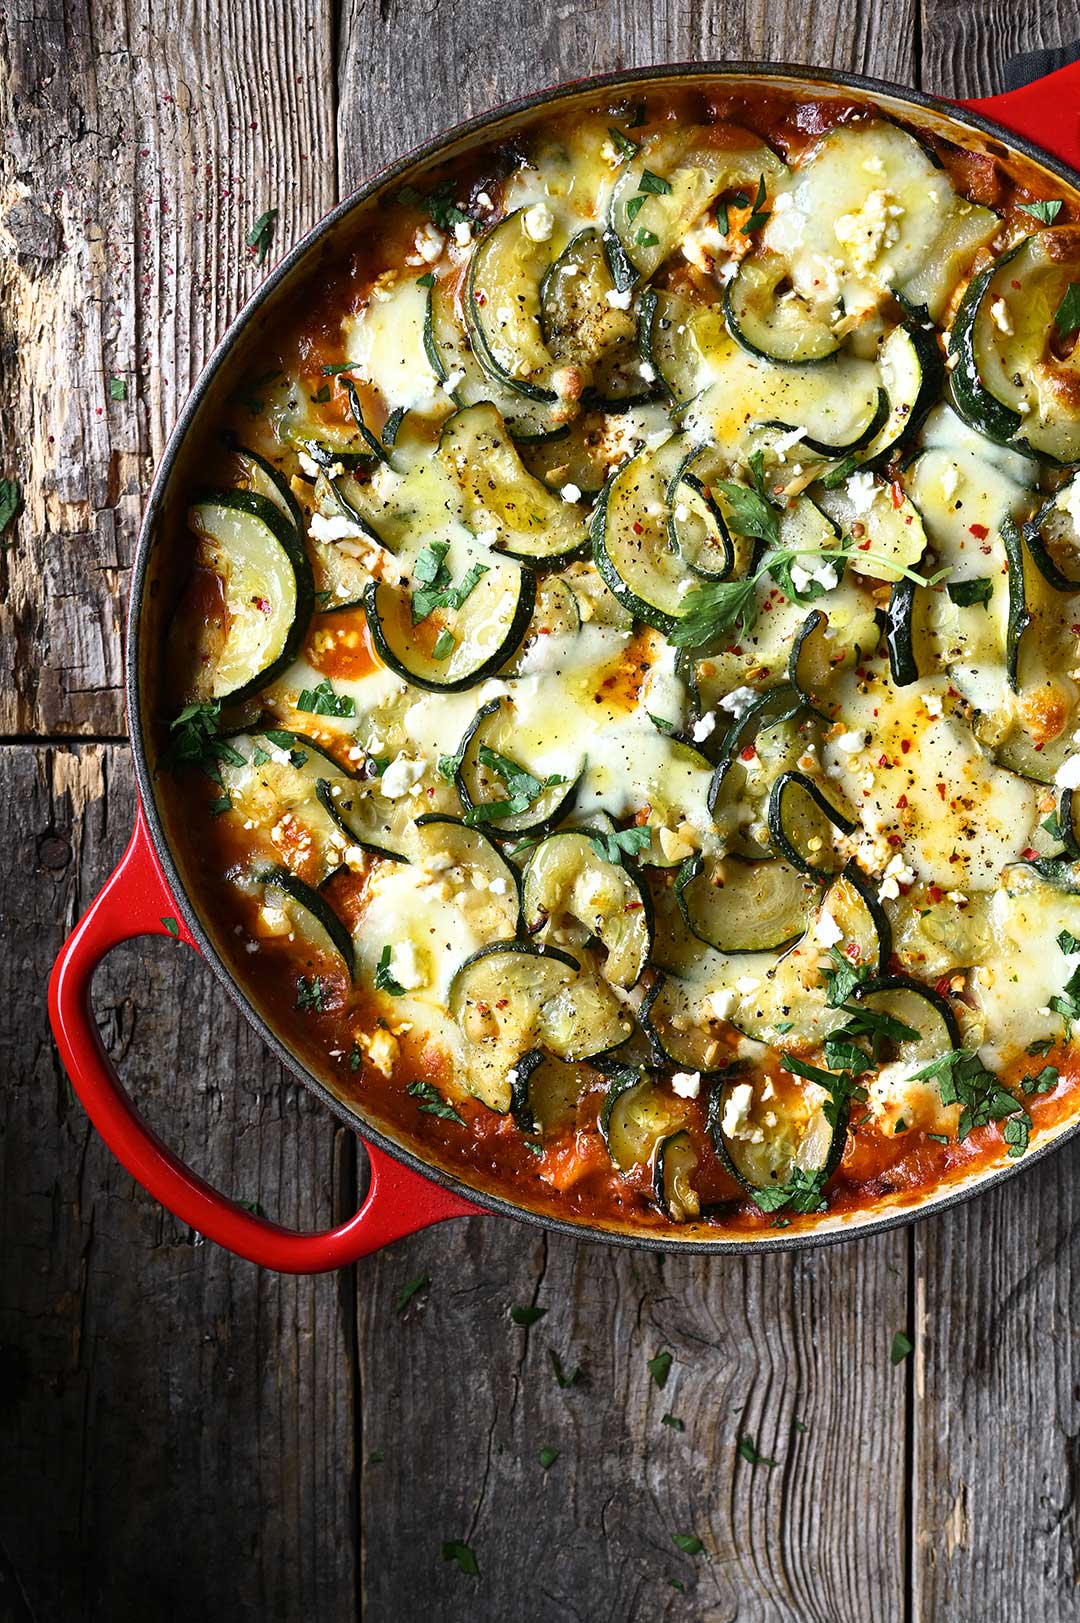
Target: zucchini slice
{"points": [[485, 778], [309, 914], [633, 543], [677, 1031], [267, 583], [674, 1163], [446, 843], [968, 227], [912, 372], [545, 1092], [888, 525], [920, 1008], [365, 818], [1053, 538], [802, 818], [502, 308], [675, 176], [1017, 376], [764, 1135], [738, 905], [498, 998], [815, 659], [466, 382], [452, 648], [771, 319], [675, 337], [566, 878], [258, 474], [697, 530], [578, 322], [529, 520], [865, 932], [635, 1117], [907, 635]]}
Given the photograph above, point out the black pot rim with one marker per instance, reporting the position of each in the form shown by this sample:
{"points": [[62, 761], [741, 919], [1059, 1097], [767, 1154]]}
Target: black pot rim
{"points": [[769, 1240]]}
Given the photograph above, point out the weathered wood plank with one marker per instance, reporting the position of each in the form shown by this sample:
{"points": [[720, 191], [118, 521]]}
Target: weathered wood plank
{"points": [[436, 63], [140, 144], [176, 1427], [965, 47], [996, 1513]]}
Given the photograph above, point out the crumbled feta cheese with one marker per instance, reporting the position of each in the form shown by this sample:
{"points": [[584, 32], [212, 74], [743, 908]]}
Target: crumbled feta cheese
{"points": [[617, 300], [738, 701], [999, 314], [400, 776], [736, 1110], [783, 443], [336, 527], [868, 230], [538, 222], [703, 726], [484, 201], [800, 577], [308, 464], [405, 966], [648, 371], [382, 1050], [826, 576], [827, 930], [1067, 775], [462, 233], [687, 1084], [429, 243], [451, 381], [570, 492], [720, 1004], [850, 742], [746, 984], [862, 491], [933, 704]]}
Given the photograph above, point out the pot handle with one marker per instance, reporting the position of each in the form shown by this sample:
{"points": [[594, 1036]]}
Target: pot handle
{"points": [[1047, 111], [135, 901]]}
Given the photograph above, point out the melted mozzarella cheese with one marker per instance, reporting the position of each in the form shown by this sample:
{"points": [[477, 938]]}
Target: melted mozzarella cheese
{"points": [[385, 343]]}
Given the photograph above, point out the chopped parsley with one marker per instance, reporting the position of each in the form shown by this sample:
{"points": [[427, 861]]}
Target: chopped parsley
{"points": [[384, 978], [749, 1453], [432, 1102], [901, 1346], [1017, 1134], [171, 925], [455, 1549], [962, 1079], [802, 1193], [634, 207], [309, 993], [354, 1057], [840, 1086], [444, 644], [435, 590], [656, 184], [1045, 209], [407, 1292], [1045, 1081], [1068, 942], [261, 234], [1040, 1047], [688, 1543], [521, 787], [1067, 315], [336, 368], [660, 1368], [321, 397], [1067, 1001], [547, 1457], [565, 1378], [965, 593], [323, 701], [448, 766], [117, 389], [10, 497], [527, 1315], [623, 144], [623, 842], [673, 1421], [646, 238], [759, 215], [438, 205], [842, 980]]}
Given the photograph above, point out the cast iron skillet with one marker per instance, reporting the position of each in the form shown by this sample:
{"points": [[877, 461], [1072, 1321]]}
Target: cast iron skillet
{"points": [[405, 1194]]}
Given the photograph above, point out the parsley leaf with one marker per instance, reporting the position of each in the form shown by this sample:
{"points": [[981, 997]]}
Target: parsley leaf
{"points": [[262, 234], [547, 1457], [627, 841], [1067, 315], [748, 512], [1017, 1132], [673, 1421], [522, 788], [1044, 1082], [660, 1368], [117, 389], [527, 1315], [455, 1549], [1045, 209], [646, 239], [444, 644], [323, 701], [171, 925], [10, 497], [1068, 942], [688, 1543], [384, 980], [407, 1292], [656, 184], [759, 215], [965, 593], [901, 1346], [749, 1453], [337, 368], [623, 144], [437, 205], [843, 980], [432, 1102], [802, 1193], [435, 590], [962, 1079], [564, 1378], [840, 1086], [309, 993]]}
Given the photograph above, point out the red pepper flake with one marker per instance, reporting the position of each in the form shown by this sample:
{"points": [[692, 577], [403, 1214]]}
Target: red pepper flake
{"points": [[1029, 853], [897, 493], [905, 745], [901, 804], [481, 299], [936, 893], [747, 752], [637, 528], [883, 760], [895, 839], [942, 986], [979, 531], [864, 546], [941, 790]]}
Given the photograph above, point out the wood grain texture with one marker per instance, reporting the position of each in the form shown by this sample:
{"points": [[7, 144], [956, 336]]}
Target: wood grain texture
{"points": [[175, 1426], [140, 144], [965, 47], [996, 1486], [437, 62]]}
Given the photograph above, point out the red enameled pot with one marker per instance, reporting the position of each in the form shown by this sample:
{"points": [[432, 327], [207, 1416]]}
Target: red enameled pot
{"points": [[1041, 120]]}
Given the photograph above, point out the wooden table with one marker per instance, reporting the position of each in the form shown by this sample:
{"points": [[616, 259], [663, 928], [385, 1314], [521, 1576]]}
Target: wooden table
{"points": [[182, 1437]]}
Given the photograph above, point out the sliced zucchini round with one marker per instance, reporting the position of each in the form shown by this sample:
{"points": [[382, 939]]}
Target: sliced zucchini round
{"points": [[770, 318], [268, 586], [363, 817], [545, 1092], [1016, 372], [502, 308], [678, 1031], [675, 1161], [906, 633], [675, 334], [801, 819], [697, 530], [261, 476], [466, 382], [738, 905], [578, 323], [498, 998], [814, 660], [566, 878], [866, 934], [1053, 538], [912, 372], [635, 1117], [440, 842], [765, 1141], [309, 914], [530, 521], [452, 648], [578, 456], [889, 527], [837, 450], [919, 1008], [485, 777]]}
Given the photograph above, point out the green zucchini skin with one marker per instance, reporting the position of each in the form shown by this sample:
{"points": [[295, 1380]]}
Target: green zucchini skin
{"points": [[817, 346], [284, 496], [327, 800], [515, 633], [475, 321], [836, 453], [318, 907], [777, 820], [899, 640], [284, 534], [512, 827], [1050, 570], [1019, 617], [974, 403]]}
